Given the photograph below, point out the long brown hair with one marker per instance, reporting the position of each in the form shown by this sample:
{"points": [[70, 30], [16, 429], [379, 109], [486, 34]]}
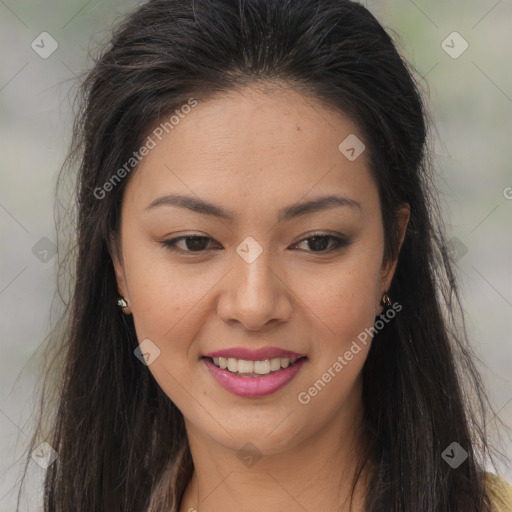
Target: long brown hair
{"points": [[120, 440]]}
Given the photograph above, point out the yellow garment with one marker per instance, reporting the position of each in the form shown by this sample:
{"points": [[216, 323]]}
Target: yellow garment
{"points": [[500, 492]]}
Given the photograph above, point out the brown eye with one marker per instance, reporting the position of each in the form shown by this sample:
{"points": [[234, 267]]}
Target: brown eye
{"points": [[191, 243], [317, 243], [321, 243]]}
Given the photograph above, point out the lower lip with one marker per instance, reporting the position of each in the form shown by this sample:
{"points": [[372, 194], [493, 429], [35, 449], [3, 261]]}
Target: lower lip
{"points": [[253, 387]]}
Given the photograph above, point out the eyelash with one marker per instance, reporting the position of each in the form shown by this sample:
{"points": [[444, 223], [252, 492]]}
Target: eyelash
{"points": [[339, 243]]}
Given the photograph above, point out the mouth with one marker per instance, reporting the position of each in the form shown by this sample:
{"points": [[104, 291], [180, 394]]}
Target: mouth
{"points": [[253, 379], [254, 369]]}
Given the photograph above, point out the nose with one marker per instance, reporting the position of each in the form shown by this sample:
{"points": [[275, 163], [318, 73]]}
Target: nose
{"points": [[255, 294]]}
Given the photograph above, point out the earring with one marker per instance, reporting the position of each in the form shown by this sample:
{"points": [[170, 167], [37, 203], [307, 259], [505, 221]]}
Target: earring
{"points": [[386, 301], [121, 302]]}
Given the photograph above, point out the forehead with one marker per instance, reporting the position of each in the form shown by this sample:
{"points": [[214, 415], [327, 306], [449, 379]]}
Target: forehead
{"points": [[254, 148]]}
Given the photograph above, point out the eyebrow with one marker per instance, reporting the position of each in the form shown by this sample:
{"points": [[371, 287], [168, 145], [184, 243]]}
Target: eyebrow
{"points": [[292, 211]]}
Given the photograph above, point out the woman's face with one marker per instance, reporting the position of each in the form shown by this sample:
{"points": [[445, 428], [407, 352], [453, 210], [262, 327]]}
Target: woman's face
{"points": [[255, 285]]}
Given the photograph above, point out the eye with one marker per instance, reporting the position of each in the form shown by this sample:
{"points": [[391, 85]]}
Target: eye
{"points": [[192, 243], [319, 242]]}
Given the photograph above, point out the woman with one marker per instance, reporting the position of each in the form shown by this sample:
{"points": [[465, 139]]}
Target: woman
{"points": [[265, 315]]}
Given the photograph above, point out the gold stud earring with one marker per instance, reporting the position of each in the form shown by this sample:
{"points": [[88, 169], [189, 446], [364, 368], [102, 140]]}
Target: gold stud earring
{"points": [[386, 301]]}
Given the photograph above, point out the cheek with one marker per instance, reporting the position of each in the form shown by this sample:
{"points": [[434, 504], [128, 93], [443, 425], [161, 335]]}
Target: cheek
{"points": [[342, 302], [342, 311], [166, 299], [169, 308]]}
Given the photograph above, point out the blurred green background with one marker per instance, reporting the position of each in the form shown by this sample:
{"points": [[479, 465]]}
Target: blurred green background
{"points": [[470, 97]]}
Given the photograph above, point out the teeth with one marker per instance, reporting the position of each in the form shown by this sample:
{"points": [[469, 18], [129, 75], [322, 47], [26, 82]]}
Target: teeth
{"points": [[232, 364], [245, 367], [275, 364]]}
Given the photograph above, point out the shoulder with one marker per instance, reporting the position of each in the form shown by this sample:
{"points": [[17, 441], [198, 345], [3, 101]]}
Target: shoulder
{"points": [[500, 492]]}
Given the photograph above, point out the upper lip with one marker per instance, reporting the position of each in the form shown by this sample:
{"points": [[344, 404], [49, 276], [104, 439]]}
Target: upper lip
{"points": [[254, 354]]}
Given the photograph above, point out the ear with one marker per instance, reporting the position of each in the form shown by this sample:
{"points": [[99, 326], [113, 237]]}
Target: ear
{"points": [[402, 216], [116, 254]]}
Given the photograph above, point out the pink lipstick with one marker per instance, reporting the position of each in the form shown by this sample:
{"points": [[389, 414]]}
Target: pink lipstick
{"points": [[253, 373]]}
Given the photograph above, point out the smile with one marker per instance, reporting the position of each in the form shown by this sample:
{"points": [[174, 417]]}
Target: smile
{"points": [[246, 368], [252, 379]]}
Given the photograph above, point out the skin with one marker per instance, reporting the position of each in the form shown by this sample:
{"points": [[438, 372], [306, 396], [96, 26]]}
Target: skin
{"points": [[255, 151]]}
